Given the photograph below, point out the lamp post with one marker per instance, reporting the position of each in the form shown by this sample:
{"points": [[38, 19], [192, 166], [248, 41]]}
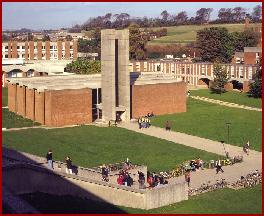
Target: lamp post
{"points": [[228, 126], [227, 154]]}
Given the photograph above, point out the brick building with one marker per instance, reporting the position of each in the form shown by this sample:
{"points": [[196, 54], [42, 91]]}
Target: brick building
{"points": [[77, 99], [114, 94], [39, 50]]}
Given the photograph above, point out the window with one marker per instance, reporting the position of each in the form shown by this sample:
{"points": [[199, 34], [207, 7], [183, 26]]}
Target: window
{"points": [[43, 47], [6, 55], [71, 47], [6, 47], [35, 47], [250, 72], [23, 47], [18, 47]]}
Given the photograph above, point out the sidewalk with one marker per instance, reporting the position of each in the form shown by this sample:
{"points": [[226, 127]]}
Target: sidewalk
{"points": [[231, 173], [224, 103]]}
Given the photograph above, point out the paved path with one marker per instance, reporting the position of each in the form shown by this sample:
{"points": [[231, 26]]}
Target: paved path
{"points": [[231, 173], [224, 103]]}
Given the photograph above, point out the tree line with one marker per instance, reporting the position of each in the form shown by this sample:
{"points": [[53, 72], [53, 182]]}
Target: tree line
{"points": [[203, 15]]}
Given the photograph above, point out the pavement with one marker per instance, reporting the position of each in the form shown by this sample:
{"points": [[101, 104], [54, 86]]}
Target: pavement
{"points": [[224, 103], [231, 173]]}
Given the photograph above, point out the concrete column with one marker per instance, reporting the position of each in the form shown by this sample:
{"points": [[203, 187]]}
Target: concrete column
{"points": [[108, 74]]}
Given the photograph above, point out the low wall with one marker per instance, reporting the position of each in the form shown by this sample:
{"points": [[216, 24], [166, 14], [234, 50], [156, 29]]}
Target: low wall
{"points": [[34, 176]]}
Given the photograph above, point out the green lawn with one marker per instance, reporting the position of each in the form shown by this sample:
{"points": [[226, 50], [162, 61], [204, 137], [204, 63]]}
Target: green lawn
{"points": [[91, 146], [231, 96], [209, 120], [11, 120], [4, 97], [187, 33], [244, 201]]}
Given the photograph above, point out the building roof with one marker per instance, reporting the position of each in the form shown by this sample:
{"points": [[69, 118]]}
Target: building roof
{"points": [[88, 81], [252, 49]]}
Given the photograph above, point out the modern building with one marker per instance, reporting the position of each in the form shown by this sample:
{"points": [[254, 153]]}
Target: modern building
{"points": [[48, 50], [196, 74], [113, 94]]}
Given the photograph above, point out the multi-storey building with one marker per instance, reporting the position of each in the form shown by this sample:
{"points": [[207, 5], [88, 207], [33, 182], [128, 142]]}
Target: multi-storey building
{"points": [[196, 74], [39, 50]]}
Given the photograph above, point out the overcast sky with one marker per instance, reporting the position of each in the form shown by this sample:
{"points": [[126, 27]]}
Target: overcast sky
{"points": [[50, 15]]}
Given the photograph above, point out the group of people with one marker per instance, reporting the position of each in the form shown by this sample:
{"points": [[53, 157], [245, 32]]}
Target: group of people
{"points": [[67, 160], [124, 178], [196, 164], [155, 180], [143, 122]]}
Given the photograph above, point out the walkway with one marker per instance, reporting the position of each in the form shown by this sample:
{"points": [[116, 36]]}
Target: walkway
{"points": [[224, 103], [231, 174]]}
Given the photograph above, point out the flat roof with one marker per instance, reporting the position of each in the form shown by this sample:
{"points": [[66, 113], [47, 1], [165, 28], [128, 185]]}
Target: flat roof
{"points": [[89, 81]]}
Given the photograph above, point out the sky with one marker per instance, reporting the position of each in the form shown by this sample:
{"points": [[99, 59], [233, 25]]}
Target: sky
{"points": [[54, 15]]}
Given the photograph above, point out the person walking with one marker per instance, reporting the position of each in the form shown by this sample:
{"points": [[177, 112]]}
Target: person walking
{"points": [[219, 167], [168, 126], [188, 177], [49, 159], [68, 165], [139, 123], [105, 173], [246, 148], [141, 180]]}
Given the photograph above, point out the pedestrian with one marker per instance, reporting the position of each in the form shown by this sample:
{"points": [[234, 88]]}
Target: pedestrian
{"points": [[68, 165], [246, 148], [219, 167], [188, 177], [141, 180], [168, 126], [49, 159], [139, 123], [105, 173]]}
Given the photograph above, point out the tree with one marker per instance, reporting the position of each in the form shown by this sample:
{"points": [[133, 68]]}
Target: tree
{"points": [[220, 79], [203, 15], [257, 13], [164, 16], [225, 15], [255, 88], [239, 14], [83, 66], [46, 38], [181, 17], [215, 45], [137, 43], [244, 39], [68, 38]]}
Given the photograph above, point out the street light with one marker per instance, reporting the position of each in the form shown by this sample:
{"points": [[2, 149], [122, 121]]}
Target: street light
{"points": [[227, 154], [228, 125]]}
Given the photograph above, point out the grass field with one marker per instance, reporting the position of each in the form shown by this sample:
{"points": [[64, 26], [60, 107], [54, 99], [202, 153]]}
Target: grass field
{"points": [[4, 97], [231, 96], [187, 33], [11, 120], [244, 201], [209, 120], [91, 146]]}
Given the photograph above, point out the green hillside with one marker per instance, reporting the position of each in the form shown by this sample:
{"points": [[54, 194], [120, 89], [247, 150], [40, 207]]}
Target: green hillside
{"points": [[187, 33]]}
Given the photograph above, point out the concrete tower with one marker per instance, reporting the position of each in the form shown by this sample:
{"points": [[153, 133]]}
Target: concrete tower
{"points": [[115, 74]]}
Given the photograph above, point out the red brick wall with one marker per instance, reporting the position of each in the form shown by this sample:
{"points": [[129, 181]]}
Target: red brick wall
{"points": [[47, 44], [67, 50], [39, 107], [228, 86], [30, 103], [158, 98], [9, 49], [21, 100], [249, 58], [68, 107], [59, 50], [39, 47], [75, 50], [14, 49], [31, 50], [11, 97], [246, 86]]}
